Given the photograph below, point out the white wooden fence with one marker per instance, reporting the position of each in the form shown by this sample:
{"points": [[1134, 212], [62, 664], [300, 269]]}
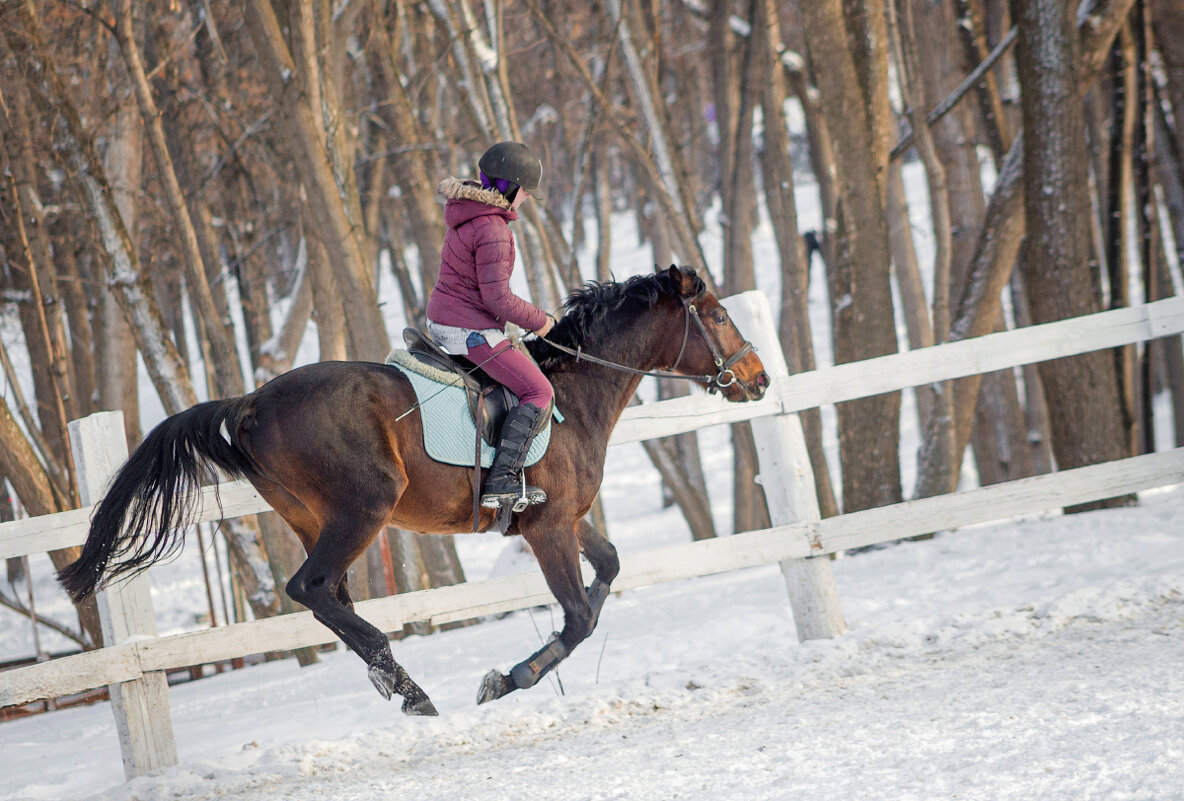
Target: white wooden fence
{"points": [[134, 662]]}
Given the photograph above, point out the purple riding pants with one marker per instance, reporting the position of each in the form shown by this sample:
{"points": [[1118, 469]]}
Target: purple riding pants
{"points": [[514, 370]]}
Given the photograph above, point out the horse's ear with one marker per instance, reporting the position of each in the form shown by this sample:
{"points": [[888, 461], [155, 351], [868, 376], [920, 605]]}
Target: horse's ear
{"points": [[682, 282]]}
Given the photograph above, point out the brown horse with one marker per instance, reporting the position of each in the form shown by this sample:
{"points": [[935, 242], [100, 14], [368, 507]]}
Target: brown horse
{"points": [[330, 448]]}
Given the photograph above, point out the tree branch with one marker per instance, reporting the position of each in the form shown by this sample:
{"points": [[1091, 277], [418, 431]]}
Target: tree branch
{"points": [[944, 107], [68, 633]]}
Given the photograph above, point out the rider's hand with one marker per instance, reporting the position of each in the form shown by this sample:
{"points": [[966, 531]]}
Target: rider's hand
{"points": [[547, 326]]}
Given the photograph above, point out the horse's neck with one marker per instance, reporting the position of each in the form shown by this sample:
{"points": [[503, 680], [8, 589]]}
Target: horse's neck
{"points": [[596, 394]]}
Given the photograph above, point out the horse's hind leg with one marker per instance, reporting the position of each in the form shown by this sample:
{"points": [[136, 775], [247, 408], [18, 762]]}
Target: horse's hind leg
{"points": [[558, 557], [319, 585]]}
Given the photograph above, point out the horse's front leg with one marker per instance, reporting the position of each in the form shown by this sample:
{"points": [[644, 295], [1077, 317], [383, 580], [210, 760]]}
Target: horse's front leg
{"points": [[602, 554], [558, 556]]}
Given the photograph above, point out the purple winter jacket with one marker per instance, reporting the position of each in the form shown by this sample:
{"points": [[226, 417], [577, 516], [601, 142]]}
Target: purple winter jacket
{"points": [[473, 289]]}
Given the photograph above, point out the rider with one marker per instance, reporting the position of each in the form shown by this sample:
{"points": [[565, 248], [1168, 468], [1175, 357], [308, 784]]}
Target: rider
{"points": [[472, 302]]}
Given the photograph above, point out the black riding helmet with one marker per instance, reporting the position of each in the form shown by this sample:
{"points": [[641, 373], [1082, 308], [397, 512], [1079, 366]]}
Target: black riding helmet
{"points": [[516, 163]]}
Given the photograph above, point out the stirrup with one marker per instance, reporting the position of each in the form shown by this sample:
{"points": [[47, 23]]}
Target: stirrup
{"points": [[529, 496]]}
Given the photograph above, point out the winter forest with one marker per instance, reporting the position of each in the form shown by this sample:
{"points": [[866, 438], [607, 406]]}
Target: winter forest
{"points": [[164, 163]]}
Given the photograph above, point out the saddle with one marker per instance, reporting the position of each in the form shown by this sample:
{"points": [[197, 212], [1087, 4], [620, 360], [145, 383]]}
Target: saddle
{"points": [[489, 401]]}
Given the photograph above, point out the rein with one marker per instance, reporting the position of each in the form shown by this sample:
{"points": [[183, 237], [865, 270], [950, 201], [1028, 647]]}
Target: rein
{"points": [[724, 376]]}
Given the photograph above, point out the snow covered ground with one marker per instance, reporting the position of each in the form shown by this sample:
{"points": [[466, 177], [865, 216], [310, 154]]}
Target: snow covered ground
{"points": [[1033, 659]]}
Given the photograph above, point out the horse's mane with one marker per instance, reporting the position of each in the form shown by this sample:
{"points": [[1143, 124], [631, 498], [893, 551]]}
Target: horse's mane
{"points": [[589, 314]]}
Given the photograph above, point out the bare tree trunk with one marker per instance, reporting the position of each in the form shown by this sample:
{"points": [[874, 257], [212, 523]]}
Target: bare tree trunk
{"points": [[30, 262], [693, 505], [738, 188], [340, 235], [1039, 436], [1170, 179], [115, 352], [1147, 217], [331, 333], [724, 88], [1124, 114], [1083, 390], [995, 255], [822, 155], [971, 30], [998, 435], [82, 341], [277, 354], [392, 239], [850, 60], [413, 163], [793, 329], [602, 188], [908, 279], [411, 570], [1167, 174], [1168, 27], [684, 221], [944, 457], [222, 350]]}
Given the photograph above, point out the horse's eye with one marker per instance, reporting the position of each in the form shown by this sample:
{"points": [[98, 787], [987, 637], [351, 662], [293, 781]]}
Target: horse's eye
{"points": [[720, 317]]}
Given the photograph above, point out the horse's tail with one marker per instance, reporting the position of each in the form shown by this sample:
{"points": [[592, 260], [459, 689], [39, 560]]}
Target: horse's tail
{"points": [[154, 495]]}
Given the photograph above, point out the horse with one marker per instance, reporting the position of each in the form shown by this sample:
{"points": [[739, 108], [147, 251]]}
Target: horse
{"points": [[331, 448]]}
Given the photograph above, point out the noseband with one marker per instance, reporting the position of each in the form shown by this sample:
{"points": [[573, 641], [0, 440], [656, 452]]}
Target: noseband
{"points": [[724, 376]]}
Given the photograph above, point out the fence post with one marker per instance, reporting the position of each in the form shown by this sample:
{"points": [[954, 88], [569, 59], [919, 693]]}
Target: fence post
{"points": [[140, 706], [788, 479]]}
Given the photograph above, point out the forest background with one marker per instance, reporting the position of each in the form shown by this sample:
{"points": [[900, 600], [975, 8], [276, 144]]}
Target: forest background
{"points": [[177, 155]]}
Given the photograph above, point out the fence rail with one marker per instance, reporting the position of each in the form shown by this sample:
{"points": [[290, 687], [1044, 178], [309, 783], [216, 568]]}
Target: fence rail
{"points": [[137, 657]]}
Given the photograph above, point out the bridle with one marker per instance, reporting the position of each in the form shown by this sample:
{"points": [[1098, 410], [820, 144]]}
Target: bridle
{"points": [[724, 375]]}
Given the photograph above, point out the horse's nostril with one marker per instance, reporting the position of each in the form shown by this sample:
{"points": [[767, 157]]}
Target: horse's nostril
{"points": [[762, 379]]}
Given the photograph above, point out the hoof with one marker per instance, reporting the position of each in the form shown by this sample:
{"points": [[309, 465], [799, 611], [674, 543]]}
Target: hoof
{"points": [[494, 686], [421, 706], [415, 700], [382, 680]]}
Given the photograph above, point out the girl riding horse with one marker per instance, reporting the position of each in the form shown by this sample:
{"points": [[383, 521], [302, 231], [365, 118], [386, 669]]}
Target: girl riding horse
{"points": [[472, 302], [328, 446]]}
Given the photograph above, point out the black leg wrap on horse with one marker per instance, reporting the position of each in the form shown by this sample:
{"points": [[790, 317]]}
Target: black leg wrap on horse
{"points": [[597, 594], [527, 674]]}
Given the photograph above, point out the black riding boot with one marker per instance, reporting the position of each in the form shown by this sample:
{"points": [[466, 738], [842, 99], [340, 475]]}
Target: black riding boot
{"points": [[505, 483]]}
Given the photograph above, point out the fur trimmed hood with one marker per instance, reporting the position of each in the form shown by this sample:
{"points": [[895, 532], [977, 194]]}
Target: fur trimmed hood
{"points": [[456, 189]]}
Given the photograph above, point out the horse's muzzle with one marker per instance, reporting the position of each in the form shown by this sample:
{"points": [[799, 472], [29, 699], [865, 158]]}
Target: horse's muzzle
{"points": [[755, 389], [760, 385]]}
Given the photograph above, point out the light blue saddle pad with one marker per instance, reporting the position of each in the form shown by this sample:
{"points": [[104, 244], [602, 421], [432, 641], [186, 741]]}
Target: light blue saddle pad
{"points": [[449, 435]]}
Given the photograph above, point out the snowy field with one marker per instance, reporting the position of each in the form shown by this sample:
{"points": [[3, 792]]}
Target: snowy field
{"points": [[1031, 659], [1035, 659]]}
